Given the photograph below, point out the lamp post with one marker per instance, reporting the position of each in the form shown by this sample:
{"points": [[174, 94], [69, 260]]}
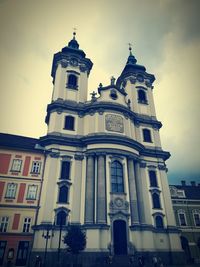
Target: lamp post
{"points": [[61, 222], [46, 235]]}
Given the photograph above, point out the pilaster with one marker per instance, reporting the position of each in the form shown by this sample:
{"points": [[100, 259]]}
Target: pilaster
{"points": [[90, 190], [132, 193], [101, 190]]}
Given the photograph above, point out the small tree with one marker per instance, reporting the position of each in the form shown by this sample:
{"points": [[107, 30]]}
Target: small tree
{"points": [[75, 239]]}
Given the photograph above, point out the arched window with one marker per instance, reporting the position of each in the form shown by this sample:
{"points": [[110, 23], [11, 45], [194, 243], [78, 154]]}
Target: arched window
{"points": [[117, 184], [146, 135], [61, 218], [153, 179], [196, 216], [159, 222], [142, 98], [72, 81], [156, 201], [69, 123], [63, 194], [182, 218]]}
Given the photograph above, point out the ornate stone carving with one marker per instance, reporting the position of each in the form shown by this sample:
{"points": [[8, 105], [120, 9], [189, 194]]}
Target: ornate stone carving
{"points": [[78, 157], [162, 167], [81, 114], [64, 63], [101, 111], [54, 154], [114, 123], [83, 68], [132, 80], [143, 164]]}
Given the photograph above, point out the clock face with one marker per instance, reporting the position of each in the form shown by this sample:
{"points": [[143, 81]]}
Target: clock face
{"points": [[74, 62]]}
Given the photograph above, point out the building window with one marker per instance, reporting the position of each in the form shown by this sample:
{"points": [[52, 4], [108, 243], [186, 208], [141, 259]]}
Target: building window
{"points": [[153, 179], [63, 194], [113, 94], [182, 218], [2, 251], [159, 222], [16, 165], [32, 192], [69, 123], [36, 167], [11, 190], [65, 170], [156, 201], [61, 218], [72, 81], [147, 135], [117, 184], [142, 98], [27, 225], [22, 253], [197, 218], [4, 224]]}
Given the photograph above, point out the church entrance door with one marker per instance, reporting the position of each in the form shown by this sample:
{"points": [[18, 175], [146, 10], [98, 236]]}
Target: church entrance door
{"points": [[120, 237]]}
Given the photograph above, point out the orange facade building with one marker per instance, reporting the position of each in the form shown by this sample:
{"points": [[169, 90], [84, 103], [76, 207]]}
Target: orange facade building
{"points": [[21, 172]]}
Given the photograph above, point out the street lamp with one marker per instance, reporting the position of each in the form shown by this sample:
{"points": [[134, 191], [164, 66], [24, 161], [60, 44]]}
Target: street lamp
{"points": [[46, 235], [61, 220]]}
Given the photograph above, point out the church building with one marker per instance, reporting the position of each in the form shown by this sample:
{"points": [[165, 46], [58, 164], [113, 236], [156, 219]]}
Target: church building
{"points": [[105, 168]]}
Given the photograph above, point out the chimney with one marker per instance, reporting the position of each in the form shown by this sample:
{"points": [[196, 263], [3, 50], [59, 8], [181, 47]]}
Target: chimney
{"points": [[193, 183], [183, 183]]}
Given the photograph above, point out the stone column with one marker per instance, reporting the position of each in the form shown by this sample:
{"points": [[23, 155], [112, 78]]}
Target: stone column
{"points": [[101, 190], [89, 190], [132, 192]]}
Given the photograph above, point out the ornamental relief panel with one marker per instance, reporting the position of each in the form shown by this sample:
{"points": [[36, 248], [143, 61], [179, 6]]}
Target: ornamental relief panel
{"points": [[114, 123]]}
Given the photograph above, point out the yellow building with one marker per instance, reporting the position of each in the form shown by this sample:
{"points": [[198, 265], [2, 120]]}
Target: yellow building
{"points": [[21, 171]]}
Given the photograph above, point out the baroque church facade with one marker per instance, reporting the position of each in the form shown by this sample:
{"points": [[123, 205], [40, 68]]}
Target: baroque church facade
{"points": [[105, 167]]}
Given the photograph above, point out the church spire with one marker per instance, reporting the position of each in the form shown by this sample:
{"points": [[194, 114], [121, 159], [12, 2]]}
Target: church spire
{"points": [[73, 43]]}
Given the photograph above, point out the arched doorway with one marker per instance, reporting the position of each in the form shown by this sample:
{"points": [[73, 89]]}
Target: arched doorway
{"points": [[120, 237]]}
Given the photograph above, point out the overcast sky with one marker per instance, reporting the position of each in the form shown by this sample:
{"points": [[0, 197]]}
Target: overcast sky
{"points": [[166, 40]]}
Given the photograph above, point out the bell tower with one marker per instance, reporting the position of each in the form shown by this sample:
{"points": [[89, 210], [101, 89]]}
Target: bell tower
{"points": [[137, 83], [70, 71]]}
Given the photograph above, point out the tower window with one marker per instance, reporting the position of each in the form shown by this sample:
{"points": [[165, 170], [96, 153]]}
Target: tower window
{"points": [[117, 184], [153, 179], [63, 194], [142, 98], [156, 201], [159, 222], [61, 218], [147, 135], [72, 81], [113, 94], [69, 123], [65, 170]]}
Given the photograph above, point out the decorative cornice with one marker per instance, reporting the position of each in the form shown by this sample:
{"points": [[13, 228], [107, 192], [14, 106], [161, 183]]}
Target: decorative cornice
{"points": [[90, 108], [162, 167], [98, 138], [78, 156]]}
